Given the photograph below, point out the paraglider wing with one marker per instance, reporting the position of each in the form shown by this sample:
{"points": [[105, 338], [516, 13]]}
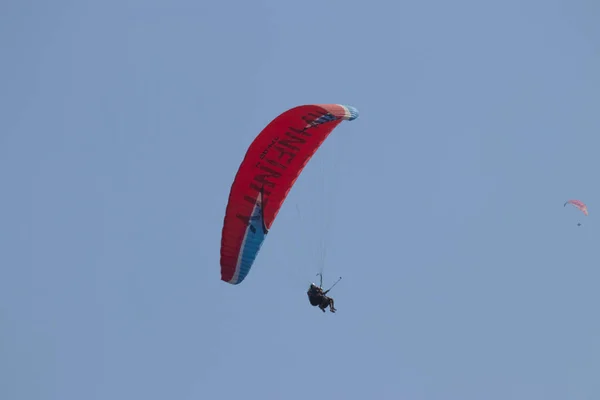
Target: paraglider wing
{"points": [[579, 204], [270, 168]]}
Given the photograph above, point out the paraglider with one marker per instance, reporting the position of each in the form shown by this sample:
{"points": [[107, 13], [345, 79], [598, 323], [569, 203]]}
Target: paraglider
{"points": [[579, 205], [318, 297], [267, 173]]}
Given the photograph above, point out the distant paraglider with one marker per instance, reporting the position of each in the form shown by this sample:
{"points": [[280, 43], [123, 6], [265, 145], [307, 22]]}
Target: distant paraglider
{"points": [[578, 204]]}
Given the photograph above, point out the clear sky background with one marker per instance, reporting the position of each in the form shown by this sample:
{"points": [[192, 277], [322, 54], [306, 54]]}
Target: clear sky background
{"points": [[123, 124]]}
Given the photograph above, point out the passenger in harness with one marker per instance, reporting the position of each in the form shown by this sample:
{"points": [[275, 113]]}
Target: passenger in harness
{"points": [[318, 297]]}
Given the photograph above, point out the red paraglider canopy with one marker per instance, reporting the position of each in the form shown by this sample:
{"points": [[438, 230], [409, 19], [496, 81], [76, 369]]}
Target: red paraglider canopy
{"points": [[579, 204], [270, 168]]}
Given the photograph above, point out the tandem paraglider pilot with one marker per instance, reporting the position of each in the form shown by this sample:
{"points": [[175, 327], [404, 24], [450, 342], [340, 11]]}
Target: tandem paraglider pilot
{"points": [[318, 297]]}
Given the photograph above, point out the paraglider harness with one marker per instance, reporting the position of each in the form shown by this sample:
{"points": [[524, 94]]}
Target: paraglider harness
{"points": [[318, 297]]}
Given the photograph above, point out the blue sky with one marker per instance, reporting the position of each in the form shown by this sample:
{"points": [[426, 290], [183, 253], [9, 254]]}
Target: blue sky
{"points": [[124, 122]]}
